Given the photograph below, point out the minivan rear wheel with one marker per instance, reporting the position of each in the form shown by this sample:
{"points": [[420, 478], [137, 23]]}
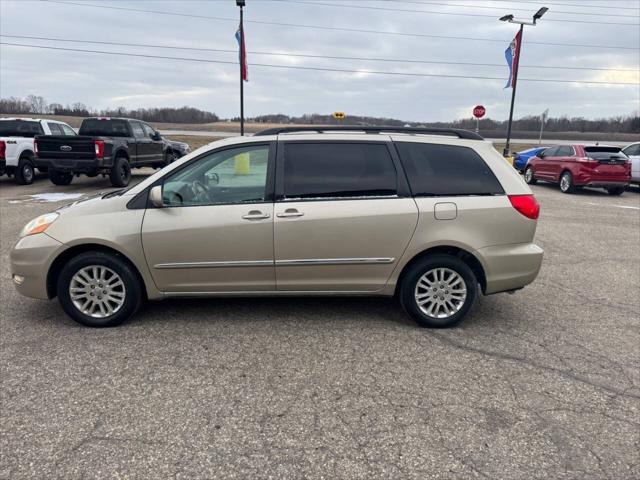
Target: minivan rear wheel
{"points": [[438, 291], [99, 289]]}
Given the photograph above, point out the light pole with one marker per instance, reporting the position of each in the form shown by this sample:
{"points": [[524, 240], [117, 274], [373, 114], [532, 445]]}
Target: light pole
{"points": [[518, 50], [240, 36]]}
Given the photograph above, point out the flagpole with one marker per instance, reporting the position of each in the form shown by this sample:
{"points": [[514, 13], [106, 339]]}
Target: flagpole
{"points": [[513, 90], [241, 76]]}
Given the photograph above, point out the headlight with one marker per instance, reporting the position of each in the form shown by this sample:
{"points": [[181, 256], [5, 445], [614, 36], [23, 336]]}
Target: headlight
{"points": [[39, 225]]}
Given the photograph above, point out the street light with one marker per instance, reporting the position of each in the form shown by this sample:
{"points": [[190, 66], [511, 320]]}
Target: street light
{"points": [[511, 19]]}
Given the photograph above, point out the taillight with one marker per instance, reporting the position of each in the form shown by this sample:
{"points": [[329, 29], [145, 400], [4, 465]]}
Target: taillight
{"points": [[99, 149], [527, 205], [3, 149], [35, 147]]}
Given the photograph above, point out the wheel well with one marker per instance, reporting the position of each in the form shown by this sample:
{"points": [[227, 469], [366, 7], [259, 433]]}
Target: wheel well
{"points": [[26, 154], [64, 257], [121, 153], [472, 262]]}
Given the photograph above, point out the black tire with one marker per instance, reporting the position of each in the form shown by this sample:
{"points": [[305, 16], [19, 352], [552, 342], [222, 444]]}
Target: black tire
{"points": [[25, 172], [60, 178], [169, 158], [408, 289], [615, 191], [566, 183], [132, 289], [120, 174], [529, 177]]}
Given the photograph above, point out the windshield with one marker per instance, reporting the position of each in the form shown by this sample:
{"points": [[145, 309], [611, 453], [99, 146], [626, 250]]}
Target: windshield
{"points": [[20, 128], [104, 128], [604, 153]]}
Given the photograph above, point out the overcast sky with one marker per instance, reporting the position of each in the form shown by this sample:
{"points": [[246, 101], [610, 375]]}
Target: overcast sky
{"points": [[109, 80]]}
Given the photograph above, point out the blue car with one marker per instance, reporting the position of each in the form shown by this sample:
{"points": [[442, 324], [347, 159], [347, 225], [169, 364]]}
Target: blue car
{"points": [[521, 158]]}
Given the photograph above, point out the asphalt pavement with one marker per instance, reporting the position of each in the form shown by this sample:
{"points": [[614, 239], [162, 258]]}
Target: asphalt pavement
{"points": [[541, 384]]}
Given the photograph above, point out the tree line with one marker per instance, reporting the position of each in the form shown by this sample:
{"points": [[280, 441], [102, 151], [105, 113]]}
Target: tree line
{"points": [[34, 104]]}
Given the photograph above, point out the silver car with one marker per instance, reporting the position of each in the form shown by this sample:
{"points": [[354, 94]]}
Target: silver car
{"points": [[430, 216]]}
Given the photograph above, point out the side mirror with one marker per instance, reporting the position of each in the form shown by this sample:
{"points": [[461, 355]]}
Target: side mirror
{"points": [[155, 196], [156, 137]]}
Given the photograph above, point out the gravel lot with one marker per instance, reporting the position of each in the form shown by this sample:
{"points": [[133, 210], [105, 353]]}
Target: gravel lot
{"points": [[541, 384]]}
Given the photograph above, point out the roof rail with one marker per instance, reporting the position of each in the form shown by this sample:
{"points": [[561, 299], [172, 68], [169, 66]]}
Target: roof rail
{"points": [[453, 132]]}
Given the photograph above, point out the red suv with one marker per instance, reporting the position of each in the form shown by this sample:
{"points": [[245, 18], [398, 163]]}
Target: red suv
{"points": [[575, 166]]}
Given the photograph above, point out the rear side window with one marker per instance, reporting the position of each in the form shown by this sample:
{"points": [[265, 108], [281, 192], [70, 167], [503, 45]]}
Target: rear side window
{"points": [[55, 128], [565, 151], [19, 128], [324, 170], [441, 170]]}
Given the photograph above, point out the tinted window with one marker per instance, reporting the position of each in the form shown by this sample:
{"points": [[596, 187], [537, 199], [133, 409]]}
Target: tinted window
{"points": [[565, 151], [237, 175], [19, 128], [446, 170], [317, 170], [604, 153], [632, 150], [138, 131], [55, 128], [104, 128]]}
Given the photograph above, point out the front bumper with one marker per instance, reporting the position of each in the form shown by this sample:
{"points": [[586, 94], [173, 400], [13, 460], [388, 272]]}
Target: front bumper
{"points": [[510, 267], [31, 259], [74, 165]]}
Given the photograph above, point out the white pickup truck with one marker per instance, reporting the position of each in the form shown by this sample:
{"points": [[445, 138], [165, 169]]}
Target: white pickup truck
{"points": [[16, 144]]}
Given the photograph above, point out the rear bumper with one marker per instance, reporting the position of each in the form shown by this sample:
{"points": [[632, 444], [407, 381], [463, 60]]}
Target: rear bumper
{"points": [[510, 267], [587, 180], [74, 165]]}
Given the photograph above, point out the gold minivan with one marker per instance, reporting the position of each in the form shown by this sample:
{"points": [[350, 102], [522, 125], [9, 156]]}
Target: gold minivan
{"points": [[432, 216]]}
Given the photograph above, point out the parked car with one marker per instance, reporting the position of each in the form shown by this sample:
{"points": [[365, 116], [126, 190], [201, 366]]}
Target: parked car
{"points": [[575, 166], [108, 146], [431, 217], [633, 152], [521, 159], [16, 145]]}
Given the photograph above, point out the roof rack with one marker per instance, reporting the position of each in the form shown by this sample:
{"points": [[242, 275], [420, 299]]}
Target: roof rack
{"points": [[453, 132]]}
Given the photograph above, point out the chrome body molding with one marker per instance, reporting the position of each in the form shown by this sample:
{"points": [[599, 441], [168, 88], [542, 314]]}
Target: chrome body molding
{"points": [[279, 263], [239, 263], [336, 261]]}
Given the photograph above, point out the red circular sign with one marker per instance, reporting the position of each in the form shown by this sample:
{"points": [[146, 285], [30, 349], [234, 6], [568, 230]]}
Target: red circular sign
{"points": [[479, 111]]}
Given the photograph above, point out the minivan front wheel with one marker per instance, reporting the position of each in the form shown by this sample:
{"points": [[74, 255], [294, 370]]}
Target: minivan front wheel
{"points": [[98, 289], [438, 291]]}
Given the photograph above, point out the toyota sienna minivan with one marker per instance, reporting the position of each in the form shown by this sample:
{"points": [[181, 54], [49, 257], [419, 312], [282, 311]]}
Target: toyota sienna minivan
{"points": [[431, 216]]}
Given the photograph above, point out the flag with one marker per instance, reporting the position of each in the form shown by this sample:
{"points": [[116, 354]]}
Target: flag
{"points": [[512, 54], [243, 54]]}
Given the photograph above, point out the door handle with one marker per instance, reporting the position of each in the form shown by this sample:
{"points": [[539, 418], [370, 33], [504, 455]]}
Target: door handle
{"points": [[255, 215], [289, 212]]}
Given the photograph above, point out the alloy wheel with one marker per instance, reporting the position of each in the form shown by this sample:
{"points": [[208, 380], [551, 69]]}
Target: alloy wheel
{"points": [[440, 293], [97, 291]]}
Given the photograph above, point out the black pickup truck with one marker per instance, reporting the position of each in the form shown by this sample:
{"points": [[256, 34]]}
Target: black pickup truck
{"points": [[107, 146]]}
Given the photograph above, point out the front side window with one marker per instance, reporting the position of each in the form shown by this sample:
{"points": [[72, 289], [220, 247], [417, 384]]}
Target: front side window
{"points": [[55, 128], [442, 170], [138, 131], [338, 170], [632, 150], [237, 175], [67, 130], [149, 132]]}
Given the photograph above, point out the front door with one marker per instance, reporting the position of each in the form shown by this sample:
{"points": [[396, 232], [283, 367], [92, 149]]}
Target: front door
{"points": [[543, 168], [340, 224], [215, 233], [156, 151]]}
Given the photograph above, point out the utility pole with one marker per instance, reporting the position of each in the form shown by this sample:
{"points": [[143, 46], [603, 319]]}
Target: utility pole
{"points": [[518, 51], [543, 118], [243, 59]]}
